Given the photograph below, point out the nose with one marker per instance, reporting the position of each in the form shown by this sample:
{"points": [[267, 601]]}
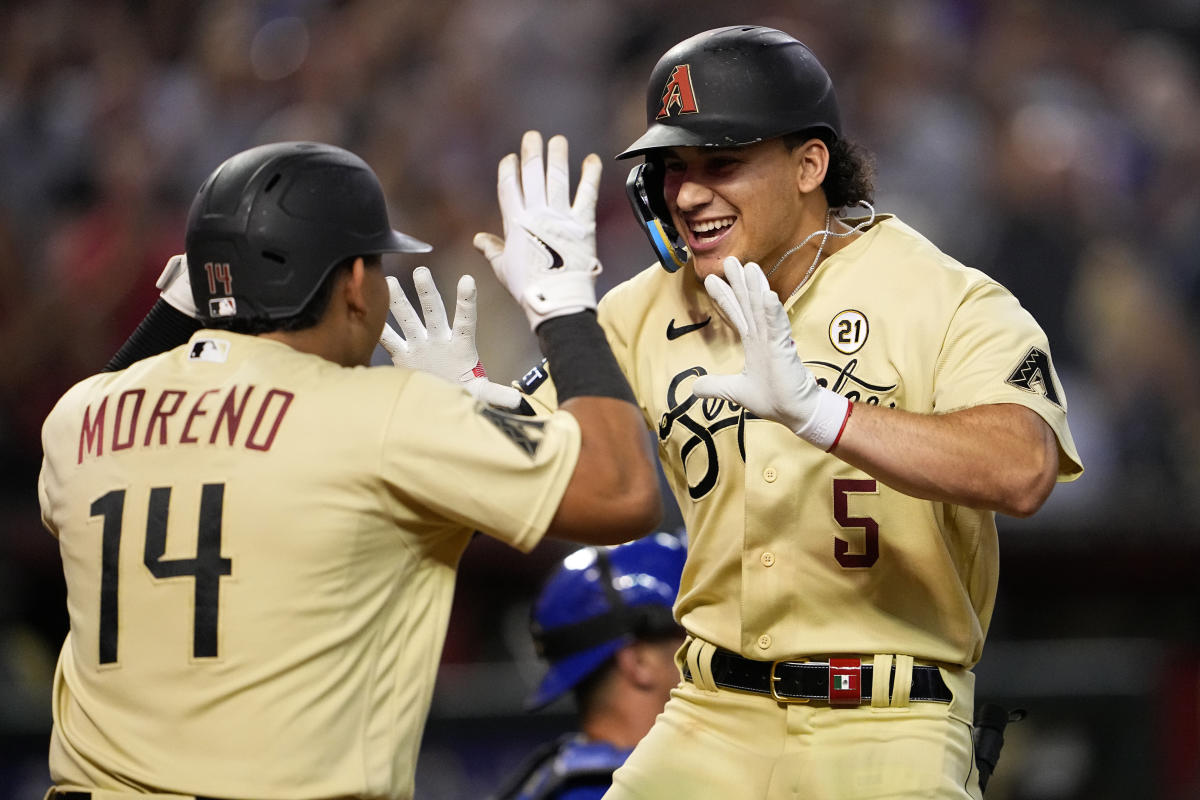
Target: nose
{"points": [[691, 195]]}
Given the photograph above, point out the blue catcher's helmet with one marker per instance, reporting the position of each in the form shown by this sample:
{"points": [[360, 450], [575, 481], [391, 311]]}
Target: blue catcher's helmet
{"points": [[599, 600]]}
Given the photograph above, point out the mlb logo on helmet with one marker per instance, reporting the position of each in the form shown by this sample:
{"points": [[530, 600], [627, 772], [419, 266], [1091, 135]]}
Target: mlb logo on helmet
{"points": [[222, 307], [678, 93]]}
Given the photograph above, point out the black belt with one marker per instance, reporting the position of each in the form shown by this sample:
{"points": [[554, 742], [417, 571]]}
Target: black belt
{"points": [[810, 680]]}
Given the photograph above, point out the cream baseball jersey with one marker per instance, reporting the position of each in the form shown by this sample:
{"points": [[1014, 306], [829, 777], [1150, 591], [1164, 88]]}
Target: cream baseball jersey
{"points": [[793, 552], [260, 550]]}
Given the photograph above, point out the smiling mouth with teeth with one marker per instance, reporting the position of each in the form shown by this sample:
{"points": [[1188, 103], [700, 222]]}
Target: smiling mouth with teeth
{"points": [[711, 228]]}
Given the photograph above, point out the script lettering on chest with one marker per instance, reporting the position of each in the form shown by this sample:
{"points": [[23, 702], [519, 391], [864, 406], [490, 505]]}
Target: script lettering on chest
{"points": [[696, 423], [242, 416], [847, 383], [701, 421]]}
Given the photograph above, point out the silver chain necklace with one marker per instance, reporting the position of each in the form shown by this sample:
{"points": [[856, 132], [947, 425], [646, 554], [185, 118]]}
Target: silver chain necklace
{"points": [[824, 233]]}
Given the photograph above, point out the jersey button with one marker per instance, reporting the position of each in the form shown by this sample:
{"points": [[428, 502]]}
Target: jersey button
{"points": [[764, 641], [767, 558], [769, 475]]}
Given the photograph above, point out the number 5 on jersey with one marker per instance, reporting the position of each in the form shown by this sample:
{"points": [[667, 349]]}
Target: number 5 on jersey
{"points": [[206, 568]]}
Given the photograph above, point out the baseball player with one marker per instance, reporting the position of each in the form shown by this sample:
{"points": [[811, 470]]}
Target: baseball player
{"points": [[603, 624], [840, 409], [259, 534]]}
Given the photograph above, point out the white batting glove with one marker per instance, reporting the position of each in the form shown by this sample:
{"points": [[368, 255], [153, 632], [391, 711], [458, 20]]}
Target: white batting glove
{"points": [[774, 384], [434, 346], [175, 288], [547, 258]]}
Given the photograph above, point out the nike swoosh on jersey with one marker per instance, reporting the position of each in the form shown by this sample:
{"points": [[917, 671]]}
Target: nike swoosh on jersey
{"points": [[674, 333], [556, 261]]}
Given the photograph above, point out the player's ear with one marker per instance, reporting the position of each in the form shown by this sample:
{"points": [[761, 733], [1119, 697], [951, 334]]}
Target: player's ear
{"points": [[811, 160], [354, 287], [637, 662]]}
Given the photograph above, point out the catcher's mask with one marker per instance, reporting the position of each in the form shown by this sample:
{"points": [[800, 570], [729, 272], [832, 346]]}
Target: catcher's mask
{"points": [[726, 87], [599, 600], [269, 224]]}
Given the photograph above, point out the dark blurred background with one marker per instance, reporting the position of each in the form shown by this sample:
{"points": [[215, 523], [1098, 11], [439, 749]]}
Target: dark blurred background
{"points": [[1055, 145]]}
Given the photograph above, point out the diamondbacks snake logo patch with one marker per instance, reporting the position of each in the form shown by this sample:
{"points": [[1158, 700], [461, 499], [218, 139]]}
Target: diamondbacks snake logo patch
{"points": [[1034, 374], [525, 433]]}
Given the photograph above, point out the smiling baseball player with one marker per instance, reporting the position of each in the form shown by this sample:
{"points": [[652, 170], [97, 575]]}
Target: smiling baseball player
{"points": [[839, 428]]}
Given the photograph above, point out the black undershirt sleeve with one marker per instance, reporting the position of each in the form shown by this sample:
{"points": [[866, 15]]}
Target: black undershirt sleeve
{"points": [[580, 359], [164, 328]]}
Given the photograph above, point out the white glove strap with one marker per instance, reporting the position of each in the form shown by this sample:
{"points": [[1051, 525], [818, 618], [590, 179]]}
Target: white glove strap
{"points": [[824, 427], [560, 294]]}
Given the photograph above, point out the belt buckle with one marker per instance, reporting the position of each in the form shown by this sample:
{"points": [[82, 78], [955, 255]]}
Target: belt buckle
{"points": [[775, 678], [845, 681]]}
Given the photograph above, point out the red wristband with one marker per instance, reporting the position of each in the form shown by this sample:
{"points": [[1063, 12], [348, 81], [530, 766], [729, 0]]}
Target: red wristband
{"points": [[841, 430]]}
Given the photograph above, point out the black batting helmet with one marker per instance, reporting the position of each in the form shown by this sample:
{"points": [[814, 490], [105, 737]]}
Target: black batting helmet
{"points": [[734, 86], [271, 222], [725, 87]]}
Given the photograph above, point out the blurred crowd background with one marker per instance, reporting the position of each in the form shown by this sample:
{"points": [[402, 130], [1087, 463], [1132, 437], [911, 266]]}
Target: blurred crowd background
{"points": [[1055, 145]]}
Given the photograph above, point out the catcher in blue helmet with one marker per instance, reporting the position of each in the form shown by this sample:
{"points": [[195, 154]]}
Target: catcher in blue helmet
{"points": [[604, 627]]}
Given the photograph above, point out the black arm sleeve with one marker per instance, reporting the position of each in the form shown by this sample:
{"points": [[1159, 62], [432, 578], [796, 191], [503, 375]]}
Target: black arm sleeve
{"points": [[163, 328], [580, 358]]}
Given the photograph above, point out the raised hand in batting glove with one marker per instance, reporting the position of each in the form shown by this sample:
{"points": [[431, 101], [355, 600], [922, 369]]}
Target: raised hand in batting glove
{"points": [[434, 346], [774, 384], [175, 287], [547, 258]]}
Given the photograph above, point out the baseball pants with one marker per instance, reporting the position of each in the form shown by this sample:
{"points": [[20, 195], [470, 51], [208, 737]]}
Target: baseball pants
{"points": [[712, 743]]}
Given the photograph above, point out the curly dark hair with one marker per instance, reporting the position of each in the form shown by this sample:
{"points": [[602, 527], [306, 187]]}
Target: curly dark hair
{"points": [[850, 177], [306, 317]]}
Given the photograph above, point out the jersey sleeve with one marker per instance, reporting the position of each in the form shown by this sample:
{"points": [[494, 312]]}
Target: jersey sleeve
{"points": [[500, 473], [995, 352], [44, 501]]}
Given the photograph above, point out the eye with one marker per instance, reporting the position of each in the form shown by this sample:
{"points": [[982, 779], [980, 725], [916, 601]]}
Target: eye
{"points": [[673, 166]]}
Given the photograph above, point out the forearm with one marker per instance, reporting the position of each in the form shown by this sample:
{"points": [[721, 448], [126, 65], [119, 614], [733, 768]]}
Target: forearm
{"points": [[613, 496], [1001, 457]]}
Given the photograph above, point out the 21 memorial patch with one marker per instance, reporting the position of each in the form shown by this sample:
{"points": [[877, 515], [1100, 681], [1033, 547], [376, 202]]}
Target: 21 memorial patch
{"points": [[1034, 374], [525, 433]]}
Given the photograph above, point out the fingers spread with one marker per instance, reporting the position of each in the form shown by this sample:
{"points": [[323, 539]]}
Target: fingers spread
{"points": [[432, 308], [489, 244], [402, 310], [176, 265], [584, 208], [757, 289], [464, 309], [726, 302], [533, 174], [497, 395], [558, 177], [722, 386], [392, 343], [508, 187]]}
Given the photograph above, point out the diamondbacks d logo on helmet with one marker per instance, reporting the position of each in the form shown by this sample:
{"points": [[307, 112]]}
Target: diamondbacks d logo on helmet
{"points": [[678, 94]]}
